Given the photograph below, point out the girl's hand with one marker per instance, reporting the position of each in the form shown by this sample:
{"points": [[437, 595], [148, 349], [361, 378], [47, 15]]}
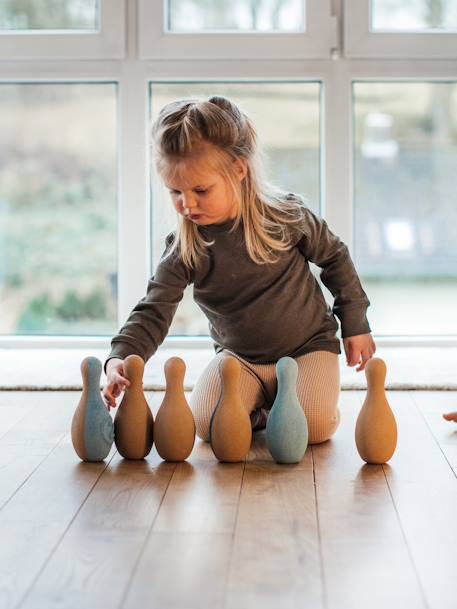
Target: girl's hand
{"points": [[359, 349], [116, 381]]}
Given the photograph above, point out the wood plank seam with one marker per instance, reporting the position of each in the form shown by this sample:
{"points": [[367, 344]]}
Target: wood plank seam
{"points": [[227, 575], [318, 527], [434, 436], [144, 544], [5, 503], [67, 528], [405, 539], [25, 414]]}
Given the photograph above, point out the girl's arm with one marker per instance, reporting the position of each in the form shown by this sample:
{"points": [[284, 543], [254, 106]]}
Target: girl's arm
{"points": [[322, 247], [149, 321]]}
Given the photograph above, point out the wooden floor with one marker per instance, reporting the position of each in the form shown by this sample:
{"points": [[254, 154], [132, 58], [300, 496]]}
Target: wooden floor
{"points": [[328, 533]]}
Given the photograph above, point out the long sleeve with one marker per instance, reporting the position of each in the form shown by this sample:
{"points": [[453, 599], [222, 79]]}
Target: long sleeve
{"points": [[320, 246], [149, 321]]}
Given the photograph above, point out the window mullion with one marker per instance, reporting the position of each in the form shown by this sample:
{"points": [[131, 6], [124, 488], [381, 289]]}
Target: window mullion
{"points": [[133, 207], [337, 152]]}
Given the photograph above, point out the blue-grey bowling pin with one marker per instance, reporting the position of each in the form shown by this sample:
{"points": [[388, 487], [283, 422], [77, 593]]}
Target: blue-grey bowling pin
{"points": [[287, 427], [92, 428]]}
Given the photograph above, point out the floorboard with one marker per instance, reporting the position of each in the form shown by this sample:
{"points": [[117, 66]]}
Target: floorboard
{"points": [[366, 561], [31, 436], [190, 542], [93, 562], [328, 533], [36, 518], [424, 489], [276, 557]]}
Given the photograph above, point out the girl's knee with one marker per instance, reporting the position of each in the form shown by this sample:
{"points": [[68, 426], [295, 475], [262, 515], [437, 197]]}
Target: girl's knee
{"points": [[204, 398], [322, 429], [202, 418], [202, 431]]}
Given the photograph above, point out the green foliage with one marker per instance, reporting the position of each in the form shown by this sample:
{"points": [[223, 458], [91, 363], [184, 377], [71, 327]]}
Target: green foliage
{"points": [[41, 312], [95, 305], [37, 316], [75, 307], [14, 280], [70, 307]]}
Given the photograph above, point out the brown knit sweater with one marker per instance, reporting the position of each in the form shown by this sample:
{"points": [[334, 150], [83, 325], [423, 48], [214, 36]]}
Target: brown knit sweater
{"points": [[261, 312]]}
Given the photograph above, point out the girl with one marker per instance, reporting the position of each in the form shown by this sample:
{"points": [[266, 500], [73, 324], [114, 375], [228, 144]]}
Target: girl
{"points": [[245, 245]]}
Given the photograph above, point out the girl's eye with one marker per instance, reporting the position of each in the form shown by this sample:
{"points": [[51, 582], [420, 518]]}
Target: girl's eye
{"points": [[201, 192]]}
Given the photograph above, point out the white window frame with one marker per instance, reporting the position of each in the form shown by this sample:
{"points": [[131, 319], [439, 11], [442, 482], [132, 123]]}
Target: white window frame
{"points": [[361, 42], [133, 77], [317, 41], [106, 43]]}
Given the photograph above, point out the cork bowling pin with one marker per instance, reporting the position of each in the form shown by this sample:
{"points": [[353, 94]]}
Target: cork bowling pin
{"points": [[133, 423], [230, 427], [92, 430], [174, 426], [376, 428], [287, 427]]}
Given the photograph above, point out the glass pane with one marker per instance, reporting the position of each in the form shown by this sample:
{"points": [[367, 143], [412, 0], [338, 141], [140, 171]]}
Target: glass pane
{"points": [[415, 15], [291, 145], [405, 210], [236, 15], [58, 219], [49, 14]]}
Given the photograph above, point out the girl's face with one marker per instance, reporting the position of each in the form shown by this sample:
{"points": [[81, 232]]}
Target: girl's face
{"points": [[201, 194]]}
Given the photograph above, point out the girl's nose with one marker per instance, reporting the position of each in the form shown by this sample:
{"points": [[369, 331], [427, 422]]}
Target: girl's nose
{"points": [[188, 202]]}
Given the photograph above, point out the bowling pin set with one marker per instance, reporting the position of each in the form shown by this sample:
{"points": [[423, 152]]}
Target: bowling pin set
{"points": [[134, 430]]}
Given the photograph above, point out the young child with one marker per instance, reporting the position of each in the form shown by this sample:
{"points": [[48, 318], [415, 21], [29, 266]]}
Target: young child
{"points": [[245, 245]]}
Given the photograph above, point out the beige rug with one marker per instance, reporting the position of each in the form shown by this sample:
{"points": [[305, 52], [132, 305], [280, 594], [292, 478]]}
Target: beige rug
{"points": [[58, 369]]}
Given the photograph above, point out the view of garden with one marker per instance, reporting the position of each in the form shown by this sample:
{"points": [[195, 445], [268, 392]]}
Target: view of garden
{"points": [[59, 180], [58, 208]]}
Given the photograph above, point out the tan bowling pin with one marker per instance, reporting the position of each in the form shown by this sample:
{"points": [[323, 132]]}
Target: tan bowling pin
{"points": [[230, 429], [133, 423], [376, 428], [174, 426]]}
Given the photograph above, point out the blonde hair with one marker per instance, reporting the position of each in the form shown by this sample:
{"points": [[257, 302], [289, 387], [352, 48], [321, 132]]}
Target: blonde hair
{"points": [[182, 131]]}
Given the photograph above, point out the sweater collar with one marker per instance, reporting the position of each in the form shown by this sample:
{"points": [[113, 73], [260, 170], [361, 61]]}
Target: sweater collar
{"points": [[212, 229]]}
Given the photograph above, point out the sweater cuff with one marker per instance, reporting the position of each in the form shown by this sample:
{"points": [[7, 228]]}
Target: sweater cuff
{"points": [[120, 350], [353, 322]]}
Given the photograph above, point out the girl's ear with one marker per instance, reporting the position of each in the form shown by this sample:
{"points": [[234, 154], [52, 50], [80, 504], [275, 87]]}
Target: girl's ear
{"points": [[241, 168]]}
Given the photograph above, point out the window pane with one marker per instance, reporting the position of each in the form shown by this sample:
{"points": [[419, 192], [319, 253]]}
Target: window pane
{"points": [[405, 210], [58, 220], [235, 15], [286, 116], [49, 14], [415, 15]]}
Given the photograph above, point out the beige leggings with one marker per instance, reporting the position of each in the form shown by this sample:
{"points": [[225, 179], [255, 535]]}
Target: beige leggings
{"points": [[318, 388]]}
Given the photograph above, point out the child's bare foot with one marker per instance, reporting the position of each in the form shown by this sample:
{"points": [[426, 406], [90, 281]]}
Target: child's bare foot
{"points": [[450, 416]]}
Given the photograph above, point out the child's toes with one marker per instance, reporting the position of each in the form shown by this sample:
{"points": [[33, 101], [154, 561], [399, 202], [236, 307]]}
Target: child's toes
{"points": [[450, 416]]}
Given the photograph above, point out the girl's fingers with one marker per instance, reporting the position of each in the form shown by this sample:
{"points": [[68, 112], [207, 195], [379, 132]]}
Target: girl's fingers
{"points": [[351, 358], [116, 385], [366, 355], [109, 399], [450, 416], [121, 380]]}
